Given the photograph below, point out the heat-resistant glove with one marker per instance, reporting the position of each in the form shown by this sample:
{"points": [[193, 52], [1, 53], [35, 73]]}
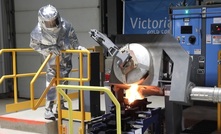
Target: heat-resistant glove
{"points": [[81, 48], [55, 50]]}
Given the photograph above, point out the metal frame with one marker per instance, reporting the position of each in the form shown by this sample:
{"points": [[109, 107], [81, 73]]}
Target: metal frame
{"points": [[34, 103], [87, 88]]}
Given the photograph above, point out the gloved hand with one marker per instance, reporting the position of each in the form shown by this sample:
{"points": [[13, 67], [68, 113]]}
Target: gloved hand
{"points": [[51, 72], [55, 50], [81, 48]]}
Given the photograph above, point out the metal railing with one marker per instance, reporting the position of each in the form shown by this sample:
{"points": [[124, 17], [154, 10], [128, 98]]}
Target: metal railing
{"points": [[14, 76], [87, 88], [34, 103], [57, 79]]}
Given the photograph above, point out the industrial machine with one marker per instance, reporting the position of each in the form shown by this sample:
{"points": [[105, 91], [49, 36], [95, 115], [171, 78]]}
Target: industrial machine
{"points": [[136, 116], [197, 29], [157, 65]]}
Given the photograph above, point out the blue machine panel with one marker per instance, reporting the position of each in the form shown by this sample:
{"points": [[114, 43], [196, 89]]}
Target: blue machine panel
{"points": [[186, 29], [213, 43], [198, 30]]}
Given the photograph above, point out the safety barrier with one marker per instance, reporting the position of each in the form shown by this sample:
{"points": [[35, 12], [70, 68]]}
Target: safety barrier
{"points": [[17, 105], [33, 103], [57, 79], [87, 88]]}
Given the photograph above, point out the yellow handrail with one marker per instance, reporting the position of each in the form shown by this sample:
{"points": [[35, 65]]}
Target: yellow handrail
{"points": [[14, 75], [35, 78], [17, 50], [81, 79], [82, 98], [33, 106], [89, 88]]}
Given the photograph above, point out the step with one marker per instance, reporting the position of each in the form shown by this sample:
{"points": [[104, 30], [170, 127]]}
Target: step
{"points": [[10, 131], [28, 121]]}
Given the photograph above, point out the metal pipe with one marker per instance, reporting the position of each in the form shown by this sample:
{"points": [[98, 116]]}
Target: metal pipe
{"points": [[210, 94]]}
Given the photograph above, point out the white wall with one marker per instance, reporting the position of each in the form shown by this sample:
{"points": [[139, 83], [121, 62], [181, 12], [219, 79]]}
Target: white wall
{"points": [[84, 15]]}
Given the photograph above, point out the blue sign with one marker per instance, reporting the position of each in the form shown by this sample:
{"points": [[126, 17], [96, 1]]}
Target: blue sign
{"points": [[149, 16]]}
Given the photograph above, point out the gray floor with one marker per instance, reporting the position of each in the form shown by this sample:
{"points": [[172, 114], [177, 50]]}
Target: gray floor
{"points": [[9, 131], [3, 103]]}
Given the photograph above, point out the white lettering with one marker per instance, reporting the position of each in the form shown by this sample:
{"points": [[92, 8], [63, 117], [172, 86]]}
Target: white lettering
{"points": [[161, 21], [153, 31], [155, 24], [149, 21], [165, 22], [158, 31], [139, 23], [165, 31], [133, 23], [143, 24]]}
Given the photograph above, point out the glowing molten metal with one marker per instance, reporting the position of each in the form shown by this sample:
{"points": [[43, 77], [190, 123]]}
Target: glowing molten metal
{"points": [[132, 93]]}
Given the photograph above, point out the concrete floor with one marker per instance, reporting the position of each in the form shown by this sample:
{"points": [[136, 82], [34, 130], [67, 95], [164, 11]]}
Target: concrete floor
{"points": [[3, 102], [10, 131], [26, 113]]}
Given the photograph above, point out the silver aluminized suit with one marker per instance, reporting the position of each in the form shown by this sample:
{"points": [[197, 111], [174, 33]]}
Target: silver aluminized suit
{"points": [[48, 40]]}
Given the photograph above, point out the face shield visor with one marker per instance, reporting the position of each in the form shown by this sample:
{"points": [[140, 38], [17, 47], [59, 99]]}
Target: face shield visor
{"points": [[52, 23]]}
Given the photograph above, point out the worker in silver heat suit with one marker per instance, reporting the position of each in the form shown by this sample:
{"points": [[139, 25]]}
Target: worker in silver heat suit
{"points": [[51, 35]]}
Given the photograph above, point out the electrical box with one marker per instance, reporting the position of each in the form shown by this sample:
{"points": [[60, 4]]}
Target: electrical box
{"points": [[198, 30]]}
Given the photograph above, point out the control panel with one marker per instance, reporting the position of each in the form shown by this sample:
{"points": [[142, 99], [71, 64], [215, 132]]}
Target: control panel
{"points": [[198, 30], [186, 28]]}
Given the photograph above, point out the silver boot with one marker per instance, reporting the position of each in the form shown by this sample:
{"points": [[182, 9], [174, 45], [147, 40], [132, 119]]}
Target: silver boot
{"points": [[49, 115]]}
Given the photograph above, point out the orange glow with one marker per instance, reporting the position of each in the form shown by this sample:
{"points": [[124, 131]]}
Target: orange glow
{"points": [[132, 93]]}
